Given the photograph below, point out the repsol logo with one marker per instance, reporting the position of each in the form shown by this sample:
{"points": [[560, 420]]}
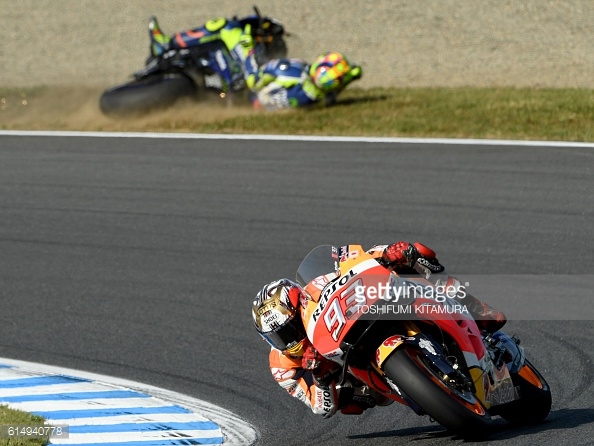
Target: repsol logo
{"points": [[327, 401], [328, 291]]}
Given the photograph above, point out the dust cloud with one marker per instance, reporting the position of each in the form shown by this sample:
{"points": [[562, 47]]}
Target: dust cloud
{"points": [[77, 109]]}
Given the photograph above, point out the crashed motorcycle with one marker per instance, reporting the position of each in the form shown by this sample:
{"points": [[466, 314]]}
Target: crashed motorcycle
{"points": [[409, 339], [193, 64]]}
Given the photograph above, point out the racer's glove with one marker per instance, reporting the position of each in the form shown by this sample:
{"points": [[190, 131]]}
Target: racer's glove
{"points": [[400, 254], [356, 72], [427, 258], [311, 358], [321, 368]]}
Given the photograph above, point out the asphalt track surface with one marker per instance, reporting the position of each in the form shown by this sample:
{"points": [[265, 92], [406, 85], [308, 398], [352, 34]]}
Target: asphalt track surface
{"points": [[139, 258]]}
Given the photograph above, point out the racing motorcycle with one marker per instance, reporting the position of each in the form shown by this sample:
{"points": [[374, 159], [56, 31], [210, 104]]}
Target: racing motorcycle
{"points": [[424, 351], [199, 67]]}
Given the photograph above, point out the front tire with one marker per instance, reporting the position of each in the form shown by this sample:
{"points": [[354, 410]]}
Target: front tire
{"points": [[144, 95], [458, 411]]}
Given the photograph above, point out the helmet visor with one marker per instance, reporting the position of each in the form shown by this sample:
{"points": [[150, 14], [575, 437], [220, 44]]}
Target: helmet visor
{"points": [[286, 336]]}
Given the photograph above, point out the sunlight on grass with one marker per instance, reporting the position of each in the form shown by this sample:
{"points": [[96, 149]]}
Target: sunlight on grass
{"points": [[501, 113], [10, 417], [462, 113]]}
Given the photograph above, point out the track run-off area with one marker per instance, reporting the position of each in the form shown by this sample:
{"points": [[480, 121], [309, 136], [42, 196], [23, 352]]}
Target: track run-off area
{"points": [[137, 256]]}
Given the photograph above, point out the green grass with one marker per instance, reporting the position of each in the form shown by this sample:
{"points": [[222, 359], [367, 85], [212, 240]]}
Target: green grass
{"points": [[15, 417], [496, 113], [505, 113]]}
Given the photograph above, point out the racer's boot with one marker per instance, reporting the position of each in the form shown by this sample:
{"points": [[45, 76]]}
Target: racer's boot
{"points": [[487, 318], [355, 400], [159, 41], [380, 400]]}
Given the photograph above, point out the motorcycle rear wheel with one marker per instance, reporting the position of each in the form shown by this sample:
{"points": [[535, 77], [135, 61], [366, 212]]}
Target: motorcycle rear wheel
{"points": [[144, 95], [458, 411], [535, 400]]}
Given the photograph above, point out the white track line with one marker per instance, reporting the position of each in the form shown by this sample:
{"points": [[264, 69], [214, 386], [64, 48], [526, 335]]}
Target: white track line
{"points": [[446, 141]]}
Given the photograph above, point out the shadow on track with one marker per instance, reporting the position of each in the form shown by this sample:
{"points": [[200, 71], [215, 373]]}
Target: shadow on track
{"points": [[558, 419], [419, 433]]}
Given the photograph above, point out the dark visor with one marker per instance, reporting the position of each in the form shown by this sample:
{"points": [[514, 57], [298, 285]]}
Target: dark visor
{"points": [[290, 333]]}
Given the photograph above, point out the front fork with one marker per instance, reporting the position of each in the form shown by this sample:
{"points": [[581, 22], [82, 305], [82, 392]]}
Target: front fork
{"points": [[505, 349]]}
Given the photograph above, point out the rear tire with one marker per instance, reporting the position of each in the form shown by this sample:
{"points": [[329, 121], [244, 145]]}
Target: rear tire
{"points": [[141, 96], [458, 411], [535, 400]]}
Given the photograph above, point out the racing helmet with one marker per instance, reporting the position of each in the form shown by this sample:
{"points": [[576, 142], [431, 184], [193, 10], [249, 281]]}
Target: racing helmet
{"points": [[332, 71], [277, 317]]}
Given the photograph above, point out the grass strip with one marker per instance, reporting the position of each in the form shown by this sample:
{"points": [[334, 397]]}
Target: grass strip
{"points": [[487, 113], [11, 417], [502, 113]]}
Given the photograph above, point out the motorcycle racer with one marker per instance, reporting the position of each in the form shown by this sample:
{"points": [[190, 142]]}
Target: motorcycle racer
{"points": [[294, 362], [257, 60], [291, 83]]}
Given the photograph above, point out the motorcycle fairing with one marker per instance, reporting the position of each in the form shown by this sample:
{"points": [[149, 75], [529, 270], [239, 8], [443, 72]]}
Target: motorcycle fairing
{"points": [[332, 314], [387, 347], [421, 342], [336, 303]]}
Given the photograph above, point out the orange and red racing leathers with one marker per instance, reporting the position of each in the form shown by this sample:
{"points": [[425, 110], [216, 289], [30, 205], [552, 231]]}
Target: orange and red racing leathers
{"points": [[288, 372]]}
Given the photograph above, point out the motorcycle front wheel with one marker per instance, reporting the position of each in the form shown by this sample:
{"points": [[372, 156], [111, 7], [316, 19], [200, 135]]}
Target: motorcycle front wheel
{"points": [[457, 410], [144, 95]]}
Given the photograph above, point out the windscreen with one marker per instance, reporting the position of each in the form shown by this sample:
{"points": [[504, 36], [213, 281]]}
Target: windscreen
{"points": [[320, 261]]}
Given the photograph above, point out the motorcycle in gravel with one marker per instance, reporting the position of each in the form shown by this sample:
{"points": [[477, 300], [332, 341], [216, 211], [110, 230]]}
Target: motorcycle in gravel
{"points": [[409, 340], [196, 64]]}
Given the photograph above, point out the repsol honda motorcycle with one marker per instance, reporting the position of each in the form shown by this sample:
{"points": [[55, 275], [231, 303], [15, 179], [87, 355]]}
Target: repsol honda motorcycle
{"points": [[411, 341], [194, 63]]}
